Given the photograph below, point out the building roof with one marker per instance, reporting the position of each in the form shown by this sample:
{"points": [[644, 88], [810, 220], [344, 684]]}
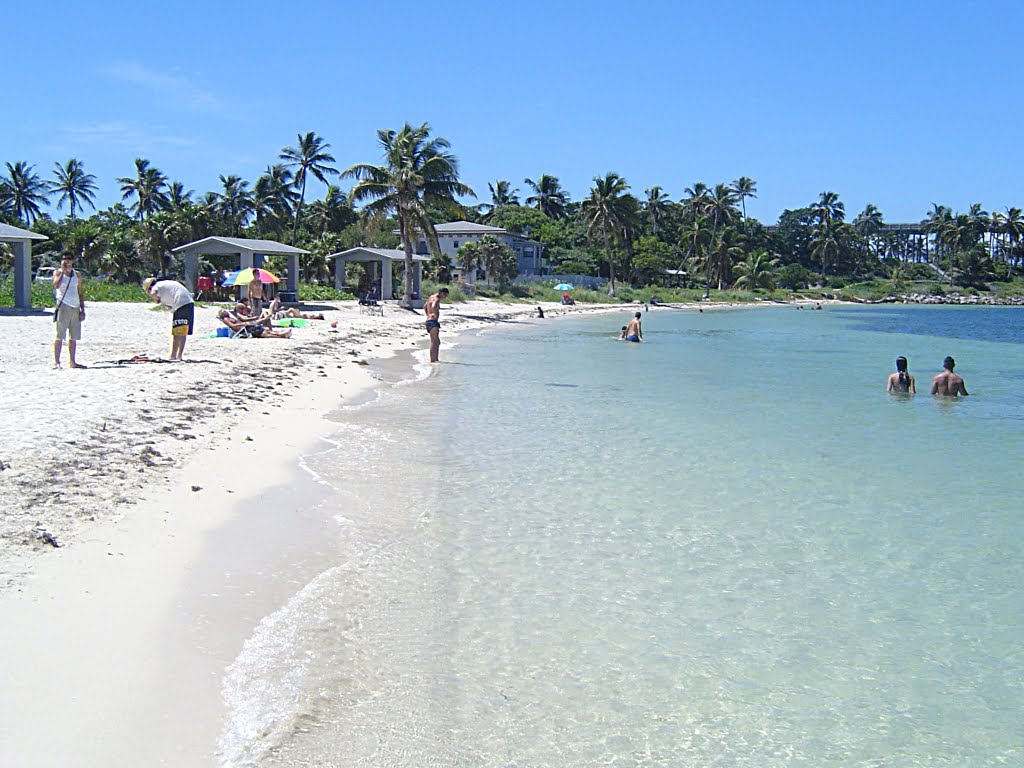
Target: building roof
{"points": [[7, 232], [467, 228], [373, 254], [228, 245]]}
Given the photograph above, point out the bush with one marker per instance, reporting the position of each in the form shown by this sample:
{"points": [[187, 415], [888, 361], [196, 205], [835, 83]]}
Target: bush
{"points": [[794, 277], [309, 292]]}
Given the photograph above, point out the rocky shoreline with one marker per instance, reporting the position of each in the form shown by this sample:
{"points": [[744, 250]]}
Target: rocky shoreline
{"points": [[951, 298]]}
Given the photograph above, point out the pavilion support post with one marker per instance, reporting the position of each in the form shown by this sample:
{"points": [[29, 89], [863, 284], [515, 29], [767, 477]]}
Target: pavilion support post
{"points": [[386, 282], [245, 261], [22, 274], [417, 276], [293, 273], [339, 274], [191, 271]]}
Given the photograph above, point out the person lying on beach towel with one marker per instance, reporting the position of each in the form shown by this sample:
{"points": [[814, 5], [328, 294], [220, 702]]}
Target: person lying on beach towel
{"points": [[251, 327], [277, 313]]}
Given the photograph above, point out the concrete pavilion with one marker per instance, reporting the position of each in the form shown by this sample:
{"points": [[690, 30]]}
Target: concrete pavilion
{"points": [[381, 268], [21, 242], [250, 253]]}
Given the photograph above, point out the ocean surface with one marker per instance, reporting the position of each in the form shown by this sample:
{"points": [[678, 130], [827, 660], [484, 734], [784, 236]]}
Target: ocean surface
{"points": [[726, 546]]}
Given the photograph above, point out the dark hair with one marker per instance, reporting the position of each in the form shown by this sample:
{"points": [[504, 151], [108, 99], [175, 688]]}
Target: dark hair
{"points": [[67, 255], [443, 290], [948, 363], [638, 315], [901, 366]]}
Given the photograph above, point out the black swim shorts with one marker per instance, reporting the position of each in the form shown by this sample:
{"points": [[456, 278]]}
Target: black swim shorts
{"points": [[184, 318], [433, 324]]}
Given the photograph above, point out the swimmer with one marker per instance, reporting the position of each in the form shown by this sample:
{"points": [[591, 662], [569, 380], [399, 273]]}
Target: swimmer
{"points": [[901, 381], [634, 332], [622, 334], [947, 383]]}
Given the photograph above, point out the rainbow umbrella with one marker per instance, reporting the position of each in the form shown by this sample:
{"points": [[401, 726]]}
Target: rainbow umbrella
{"points": [[253, 273]]}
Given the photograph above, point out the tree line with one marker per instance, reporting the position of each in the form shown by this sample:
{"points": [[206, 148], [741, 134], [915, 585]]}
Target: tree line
{"points": [[704, 239]]}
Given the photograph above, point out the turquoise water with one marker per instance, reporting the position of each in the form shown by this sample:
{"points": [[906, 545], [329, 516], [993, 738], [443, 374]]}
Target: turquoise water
{"points": [[724, 547]]}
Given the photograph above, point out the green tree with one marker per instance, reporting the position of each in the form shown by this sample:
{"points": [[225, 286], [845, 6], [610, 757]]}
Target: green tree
{"points": [[22, 192], [73, 186], [651, 257], [273, 197], [758, 271], [606, 209], [719, 206], [743, 188], [148, 187], [502, 195], [655, 205], [548, 196], [234, 204], [310, 157], [418, 170]]}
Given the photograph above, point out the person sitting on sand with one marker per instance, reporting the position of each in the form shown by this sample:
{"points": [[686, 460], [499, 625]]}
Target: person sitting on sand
{"points": [[540, 313], [567, 299], [634, 332], [257, 329], [901, 381], [947, 383]]}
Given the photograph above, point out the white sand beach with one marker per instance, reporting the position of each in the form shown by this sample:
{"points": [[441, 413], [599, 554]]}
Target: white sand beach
{"points": [[152, 513]]}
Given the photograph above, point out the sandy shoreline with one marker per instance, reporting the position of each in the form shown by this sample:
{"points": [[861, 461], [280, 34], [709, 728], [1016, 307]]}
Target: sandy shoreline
{"points": [[183, 515]]}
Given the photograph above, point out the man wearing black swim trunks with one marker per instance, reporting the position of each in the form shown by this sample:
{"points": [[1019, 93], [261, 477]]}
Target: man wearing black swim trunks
{"points": [[175, 297], [432, 308]]}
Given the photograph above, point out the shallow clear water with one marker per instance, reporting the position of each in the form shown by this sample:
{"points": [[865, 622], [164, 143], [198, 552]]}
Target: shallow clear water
{"points": [[724, 547]]}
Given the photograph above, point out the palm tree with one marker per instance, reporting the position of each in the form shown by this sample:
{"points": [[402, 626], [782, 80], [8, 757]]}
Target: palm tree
{"points": [[655, 205], [696, 197], [148, 189], [273, 197], [74, 185], [758, 271], [696, 238], [744, 187], [234, 204], [828, 209], [720, 206], [177, 196], [418, 172], [548, 196], [869, 223], [502, 194], [606, 209], [309, 157], [22, 191], [333, 212], [1012, 226], [936, 221]]}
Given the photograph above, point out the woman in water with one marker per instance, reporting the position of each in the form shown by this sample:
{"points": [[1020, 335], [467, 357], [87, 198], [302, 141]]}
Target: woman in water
{"points": [[901, 381]]}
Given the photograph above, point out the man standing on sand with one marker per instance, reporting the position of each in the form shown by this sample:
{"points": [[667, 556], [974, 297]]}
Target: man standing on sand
{"points": [[432, 308], [633, 331], [948, 383], [175, 297], [70, 309]]}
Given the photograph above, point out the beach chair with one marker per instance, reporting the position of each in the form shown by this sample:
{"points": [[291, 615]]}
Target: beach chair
{"points": [[203, 284]]}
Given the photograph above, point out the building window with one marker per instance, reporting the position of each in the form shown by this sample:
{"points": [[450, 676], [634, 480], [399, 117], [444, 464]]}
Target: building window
{"points": [[456, 243]]}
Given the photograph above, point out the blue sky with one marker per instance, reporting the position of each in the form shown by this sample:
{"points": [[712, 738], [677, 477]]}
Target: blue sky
{"points": [[896, 104]]}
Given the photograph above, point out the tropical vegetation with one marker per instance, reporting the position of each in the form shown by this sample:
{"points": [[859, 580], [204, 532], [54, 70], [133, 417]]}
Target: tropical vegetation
{"points": [[703, 242]]}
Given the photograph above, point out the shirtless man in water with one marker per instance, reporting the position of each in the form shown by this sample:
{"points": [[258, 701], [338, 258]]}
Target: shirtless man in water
{"points": [[432, 308], [948, 383], [633, 331]]}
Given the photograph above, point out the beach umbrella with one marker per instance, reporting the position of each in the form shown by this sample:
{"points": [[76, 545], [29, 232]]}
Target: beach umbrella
{"points": [[230, 277], [563, 287], [252, 273]]}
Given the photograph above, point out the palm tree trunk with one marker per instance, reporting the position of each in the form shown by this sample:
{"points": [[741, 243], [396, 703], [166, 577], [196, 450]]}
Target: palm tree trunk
{"points": [[298, 209], [608, 254]]}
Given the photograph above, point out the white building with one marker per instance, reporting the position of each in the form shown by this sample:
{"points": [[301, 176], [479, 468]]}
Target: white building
{"points": [[455, 234]]}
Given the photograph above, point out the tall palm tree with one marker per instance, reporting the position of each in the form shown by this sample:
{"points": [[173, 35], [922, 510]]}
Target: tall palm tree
{"points": [[606, 209], [696, 197], [23, 191], [828, 209], [744, 187], [333, 212], [868, 224], [548, 196], [696, 238], [148, 187], [1013, 227], [418, 172], [720, 207], [273, 197], [74, 186], [936, 221], [655, 205], [177, 196], [502, 194], [309, 157], [234, 204]]}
